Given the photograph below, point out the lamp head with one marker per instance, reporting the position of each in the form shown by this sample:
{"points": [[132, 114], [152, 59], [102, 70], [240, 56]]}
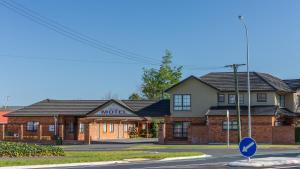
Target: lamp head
{"points": [[241, 17]]}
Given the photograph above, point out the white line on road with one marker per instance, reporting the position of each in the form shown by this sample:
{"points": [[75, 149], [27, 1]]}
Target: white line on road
{"points": [[184, 166], [282, 167]]}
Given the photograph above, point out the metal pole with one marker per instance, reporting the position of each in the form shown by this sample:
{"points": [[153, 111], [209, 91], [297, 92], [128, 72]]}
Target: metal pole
{"points": [[237, 96], [248, 77], [228, 129]]}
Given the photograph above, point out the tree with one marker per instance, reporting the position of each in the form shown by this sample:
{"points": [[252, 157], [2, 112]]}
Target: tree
{"points": [[135, 96], [155, 82]]}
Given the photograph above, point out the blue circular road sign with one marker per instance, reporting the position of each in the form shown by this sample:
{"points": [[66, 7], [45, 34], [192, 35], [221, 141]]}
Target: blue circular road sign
{"points": [[247, 147]]}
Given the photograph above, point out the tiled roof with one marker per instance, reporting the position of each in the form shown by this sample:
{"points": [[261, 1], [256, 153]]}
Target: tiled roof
{"points": [[263, 110], [293, 83], [51, 107], [224, 81]]}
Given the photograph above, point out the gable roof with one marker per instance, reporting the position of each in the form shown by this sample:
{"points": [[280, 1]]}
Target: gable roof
{"points": [[49, 107], [293, 83], [224, 81], [188, 78], [118, 102]]}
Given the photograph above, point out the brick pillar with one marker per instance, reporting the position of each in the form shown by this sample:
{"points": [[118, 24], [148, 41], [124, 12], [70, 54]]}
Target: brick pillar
{"points": [[162, 133], [21, 133], [61, 131], [87, 133], [2, 132], [40, 132]]}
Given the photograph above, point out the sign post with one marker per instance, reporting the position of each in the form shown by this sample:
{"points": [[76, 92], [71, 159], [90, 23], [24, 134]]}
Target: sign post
{"points": [[247, 147], [228, 129]]}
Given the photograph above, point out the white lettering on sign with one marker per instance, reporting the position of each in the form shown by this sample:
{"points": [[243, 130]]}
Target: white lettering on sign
{"points": [[113, 110]]}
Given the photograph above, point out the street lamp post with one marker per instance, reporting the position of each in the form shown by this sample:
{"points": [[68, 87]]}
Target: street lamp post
{"points": [[241, 18]]}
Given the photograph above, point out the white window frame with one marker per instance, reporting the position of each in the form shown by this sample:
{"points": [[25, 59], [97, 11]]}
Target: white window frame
{"points": [[105, 127], [125, 127], [51, 128], [111, 127], [233, 125], [81, 128], [32, 126]]}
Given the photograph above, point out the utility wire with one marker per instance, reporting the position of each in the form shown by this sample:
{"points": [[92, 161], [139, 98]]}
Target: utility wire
{"points": [[84, 39], [69, 34], [83, 35]]}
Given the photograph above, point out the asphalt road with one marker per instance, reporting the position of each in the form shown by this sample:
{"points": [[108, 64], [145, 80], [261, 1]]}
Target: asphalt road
{"points": [[215, 162]]}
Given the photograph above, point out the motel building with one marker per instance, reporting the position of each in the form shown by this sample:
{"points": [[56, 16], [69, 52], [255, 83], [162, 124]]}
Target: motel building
{"points": [[83, 120], [195, 114]]}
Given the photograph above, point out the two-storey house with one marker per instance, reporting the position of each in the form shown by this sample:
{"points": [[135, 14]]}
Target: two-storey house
{"points": [[199, 105]]}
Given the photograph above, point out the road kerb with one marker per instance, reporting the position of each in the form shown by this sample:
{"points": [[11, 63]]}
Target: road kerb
{"points": [[99, 163], [265, 162], [185, 158]]}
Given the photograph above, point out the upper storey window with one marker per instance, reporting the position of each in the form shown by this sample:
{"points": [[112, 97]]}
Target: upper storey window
{"points": [[261, 97], [231, 99], [182, 102], [221, 98], [281, 101]]}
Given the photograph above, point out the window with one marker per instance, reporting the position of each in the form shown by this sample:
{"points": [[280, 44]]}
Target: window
{"points": [[125, 127], [70, 127], [111, 127], [221, 98], [32, 126], [104, 127], [180, 129], [233, 125], [182, 102], [231, 99], [81, 128], [261, 97], [51, 128], [241, 99], [281, 101]]}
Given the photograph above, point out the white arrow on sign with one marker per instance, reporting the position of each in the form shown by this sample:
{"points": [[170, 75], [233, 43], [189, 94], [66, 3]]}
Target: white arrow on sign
{"points": [[245, 148]]}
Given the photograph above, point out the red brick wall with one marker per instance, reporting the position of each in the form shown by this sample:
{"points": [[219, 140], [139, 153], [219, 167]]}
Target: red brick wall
{"points": [[14, 125], [169, 121], [284, 135], [198, 134], [261, 129]]}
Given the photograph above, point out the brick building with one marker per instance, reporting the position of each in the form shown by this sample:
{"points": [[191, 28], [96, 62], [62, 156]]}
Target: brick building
{"points": [[4, 110], [198, 109], [82, 120]]}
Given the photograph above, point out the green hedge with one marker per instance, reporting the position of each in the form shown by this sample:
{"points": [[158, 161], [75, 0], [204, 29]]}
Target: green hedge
{"points": [[297, 133], [11, 149]]}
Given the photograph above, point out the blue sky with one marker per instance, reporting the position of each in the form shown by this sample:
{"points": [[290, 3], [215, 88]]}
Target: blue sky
{"points": [[206, 34]]}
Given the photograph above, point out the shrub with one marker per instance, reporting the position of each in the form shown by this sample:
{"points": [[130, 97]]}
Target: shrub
{"points": [[154, 129], [133, 132], [297, 133], [11, 149]]}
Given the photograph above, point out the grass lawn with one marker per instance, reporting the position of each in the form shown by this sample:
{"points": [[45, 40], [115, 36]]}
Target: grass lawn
{"points": [[77, 157], [260, 146]]}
